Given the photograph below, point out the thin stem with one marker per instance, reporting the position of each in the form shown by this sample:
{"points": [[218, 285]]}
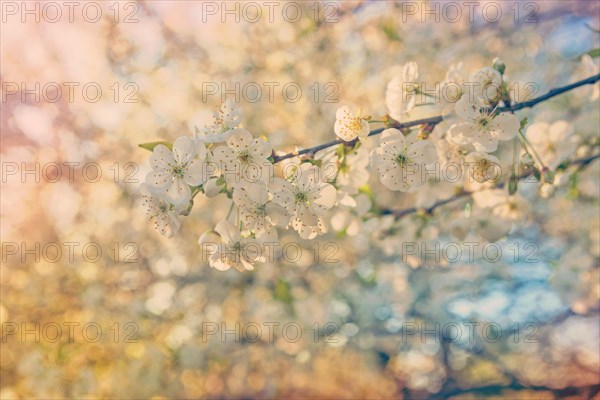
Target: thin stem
{"points": [[230, 210], [437, 119], [531, 150]]}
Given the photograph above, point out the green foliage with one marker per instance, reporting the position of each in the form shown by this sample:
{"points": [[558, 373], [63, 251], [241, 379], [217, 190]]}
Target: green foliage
{"points": [[151, 145]]}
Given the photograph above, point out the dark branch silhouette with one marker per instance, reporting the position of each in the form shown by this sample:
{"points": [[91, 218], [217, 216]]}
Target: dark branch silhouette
{"points": [[437, 119]]}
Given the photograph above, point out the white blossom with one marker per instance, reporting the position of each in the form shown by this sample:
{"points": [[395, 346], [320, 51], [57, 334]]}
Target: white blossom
{"points": [[350, 220], [486, 84], [553, 143], [349, 126], [513, 208], [483, 170], [353, 173], [232, 251], [173, 172], [306, 199], [244, 159], [224, 123], [349, 173], [400, 96], [400, 163], [480, 127], [257, 213], [162, 214], [451, 89], [451, 158]]}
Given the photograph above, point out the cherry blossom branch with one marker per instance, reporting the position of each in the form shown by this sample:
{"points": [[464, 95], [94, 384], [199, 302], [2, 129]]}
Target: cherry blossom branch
{"points": [[582, 162], [437, 119]]}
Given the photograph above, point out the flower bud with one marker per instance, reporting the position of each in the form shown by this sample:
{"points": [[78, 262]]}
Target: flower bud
{"points": [[499, 65], [211, 189], [209, 237]]}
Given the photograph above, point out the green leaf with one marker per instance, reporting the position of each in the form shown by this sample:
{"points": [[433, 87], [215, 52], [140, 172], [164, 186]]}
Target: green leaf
{"points": [[594, 53], [523, 123], [151, 145], [389, 29], [283, 292], [341, 234]]}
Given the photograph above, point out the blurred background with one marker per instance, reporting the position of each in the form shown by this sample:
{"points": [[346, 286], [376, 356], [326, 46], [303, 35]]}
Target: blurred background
{"points": [[96, 304]]}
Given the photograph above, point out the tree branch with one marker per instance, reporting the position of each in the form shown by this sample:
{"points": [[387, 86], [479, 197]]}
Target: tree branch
{"points": [[437, 119], [582, 162]]}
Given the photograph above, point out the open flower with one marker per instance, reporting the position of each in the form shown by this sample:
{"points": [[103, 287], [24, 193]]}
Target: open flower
{"points": [[305, 199], [257, 213], [224, 123], [349, 126], [553, 143], [173, 172], [244, 160], [514, 208], [233, 250], [401, 164], [486, 83], [353, 172], [402, 90], [483, 169], [162, 213], [451, 88], [480, 127], [348, 172]]}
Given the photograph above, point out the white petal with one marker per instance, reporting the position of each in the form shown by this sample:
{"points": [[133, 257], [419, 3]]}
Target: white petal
{"points": [[217, 262], [537, 133], [240, 140], [227, 231], [184, 149], [467, 109], [211, 189], [410, 72], [365, 130], [505, 126], [277, 214], [161, 157], [261, 149], [196, 173], [158, 180], [178, 192], [423, 152], [560, 131], [327, 196], [282, 192]]}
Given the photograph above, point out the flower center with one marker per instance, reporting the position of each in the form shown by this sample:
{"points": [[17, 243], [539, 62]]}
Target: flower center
{"points": [[484, 165], [412, 89], [355, 124], [484, 122], [301, 197], [178, 170], [261, 209], [244, 157], [402, 160]]}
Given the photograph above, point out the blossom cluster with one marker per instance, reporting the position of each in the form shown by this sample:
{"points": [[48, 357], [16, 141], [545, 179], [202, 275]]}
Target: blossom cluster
{"points": [[478, 137]]}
